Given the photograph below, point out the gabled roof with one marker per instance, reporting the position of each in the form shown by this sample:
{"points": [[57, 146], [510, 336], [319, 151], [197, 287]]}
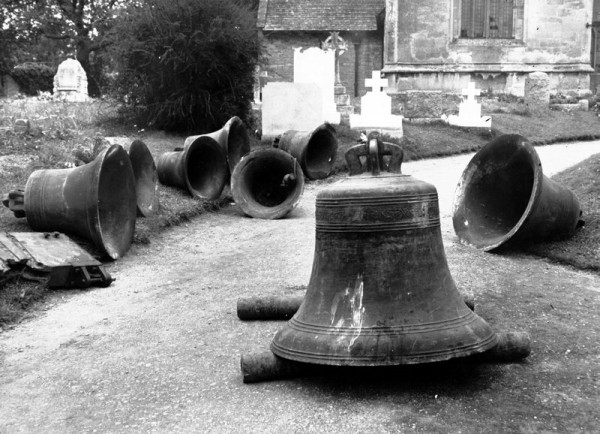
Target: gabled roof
{"points": [[306, 15]]}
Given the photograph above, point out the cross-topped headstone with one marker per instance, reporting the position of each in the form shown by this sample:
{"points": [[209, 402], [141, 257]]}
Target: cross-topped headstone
{"points": [[470, 92], [336, 43], [376, 83]]}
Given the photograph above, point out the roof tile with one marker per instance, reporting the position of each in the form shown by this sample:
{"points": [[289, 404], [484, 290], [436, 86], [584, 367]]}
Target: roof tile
{"points": [[298, 15]]}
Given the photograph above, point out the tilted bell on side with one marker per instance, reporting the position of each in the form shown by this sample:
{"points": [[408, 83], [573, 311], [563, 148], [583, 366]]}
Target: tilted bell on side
{"points": [[503, 198], [315, 150], [200, 168], [267, 184], [380, 292], [96, 201], [233, 138]]}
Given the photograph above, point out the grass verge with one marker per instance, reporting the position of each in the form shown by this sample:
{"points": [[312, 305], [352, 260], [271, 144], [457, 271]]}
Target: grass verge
{"points": [[583, 249]]}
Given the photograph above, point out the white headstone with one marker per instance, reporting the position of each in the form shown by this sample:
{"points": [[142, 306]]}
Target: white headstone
{"points": [[313, 65], [469, 110], [70, 82], [376, 108], [290, 106]]}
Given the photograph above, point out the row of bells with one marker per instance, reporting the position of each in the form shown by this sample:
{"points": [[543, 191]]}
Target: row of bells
{"points": [[99, 201], [380, 291], [265, 183]]}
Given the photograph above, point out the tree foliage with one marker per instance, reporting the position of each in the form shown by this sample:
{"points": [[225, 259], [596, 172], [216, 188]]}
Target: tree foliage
{"points": [[34, 78], [186, 65], [51, 30]]}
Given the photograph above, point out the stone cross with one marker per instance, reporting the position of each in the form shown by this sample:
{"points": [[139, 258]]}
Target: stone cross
{"points": [[470, 92], [335, 42], [376, 83]]}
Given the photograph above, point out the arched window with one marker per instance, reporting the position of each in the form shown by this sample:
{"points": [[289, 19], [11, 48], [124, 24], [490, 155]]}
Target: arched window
{"points": [[490, 19]]}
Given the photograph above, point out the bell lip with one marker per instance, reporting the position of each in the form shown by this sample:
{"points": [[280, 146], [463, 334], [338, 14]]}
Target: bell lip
{"points": [[236, 150], [114, 152], [192, 144], [314, 174], [471, 168], [337, 360], [140, 149], [268, 213]]}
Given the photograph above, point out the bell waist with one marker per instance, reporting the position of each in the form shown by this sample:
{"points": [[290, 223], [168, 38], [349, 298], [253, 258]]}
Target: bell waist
{"points": [[377, 213]]}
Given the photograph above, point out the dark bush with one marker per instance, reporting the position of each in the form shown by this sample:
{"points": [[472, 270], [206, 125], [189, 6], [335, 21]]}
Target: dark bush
{"points": [[33, 78], [185, 65]]}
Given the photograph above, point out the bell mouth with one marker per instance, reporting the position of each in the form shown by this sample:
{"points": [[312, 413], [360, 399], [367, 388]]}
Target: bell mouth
{"points": [[497, 192], [116, 198], [268, 183], [146, 178], [319, 155], [238, 143], [205, 168]]}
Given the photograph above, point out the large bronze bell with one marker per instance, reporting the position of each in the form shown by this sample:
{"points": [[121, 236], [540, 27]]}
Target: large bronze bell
{"points": [[233, 138], [96, 201], [503, 199], [315, 150], [200, 168], [267, 184], [380, 292]]}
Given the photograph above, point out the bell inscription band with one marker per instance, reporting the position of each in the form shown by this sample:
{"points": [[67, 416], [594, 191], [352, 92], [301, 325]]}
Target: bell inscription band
{"points": [[380, 292]]}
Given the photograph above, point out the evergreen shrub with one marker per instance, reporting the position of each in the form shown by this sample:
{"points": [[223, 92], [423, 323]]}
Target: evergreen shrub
{"points": [[185, 65], [34, 78]]}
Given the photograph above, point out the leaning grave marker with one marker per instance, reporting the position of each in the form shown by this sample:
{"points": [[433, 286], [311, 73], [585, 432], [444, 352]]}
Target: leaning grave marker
{"points": [[313, 65], [290, 106]]}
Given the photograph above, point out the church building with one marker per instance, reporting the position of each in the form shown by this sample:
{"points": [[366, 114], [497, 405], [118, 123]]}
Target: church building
{"points": [[437, 45]]}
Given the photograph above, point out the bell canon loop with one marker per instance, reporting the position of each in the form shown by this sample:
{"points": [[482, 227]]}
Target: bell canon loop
{"points": [[380, 292]]}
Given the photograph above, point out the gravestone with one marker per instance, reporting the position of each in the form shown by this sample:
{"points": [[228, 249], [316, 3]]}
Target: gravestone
{"points": [[22, 126], [313, 65], [376, 108], [537, 89], [343, 104], [70, 82], [290, 106], [469, 111]]}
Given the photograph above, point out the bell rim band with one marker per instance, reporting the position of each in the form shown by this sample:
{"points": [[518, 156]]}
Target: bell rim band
{"points": [[386, 359], [468, 318]]}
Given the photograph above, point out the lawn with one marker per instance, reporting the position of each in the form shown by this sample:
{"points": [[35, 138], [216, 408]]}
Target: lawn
{"points": [[60, 130], [583, 250]]}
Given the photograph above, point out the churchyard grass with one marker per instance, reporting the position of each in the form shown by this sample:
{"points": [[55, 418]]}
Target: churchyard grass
{"points": [[583, 249], [58, 129]]}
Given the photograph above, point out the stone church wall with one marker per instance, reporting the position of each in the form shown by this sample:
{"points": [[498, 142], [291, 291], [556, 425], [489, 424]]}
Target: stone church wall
{"points": [[424, 50]]}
